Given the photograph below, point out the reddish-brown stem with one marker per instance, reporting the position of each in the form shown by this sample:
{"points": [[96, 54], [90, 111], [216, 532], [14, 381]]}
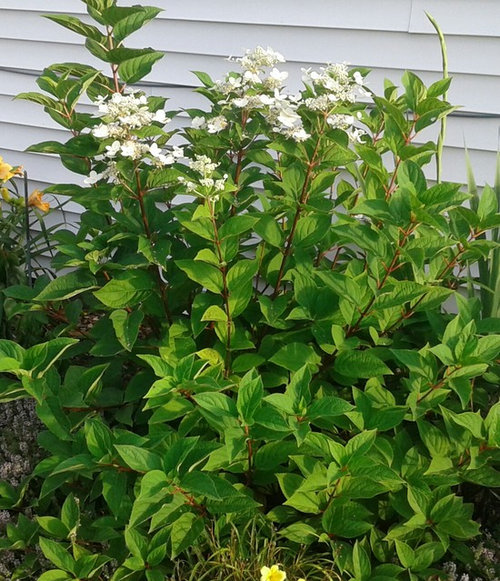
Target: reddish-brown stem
{"points": [[302, 200], [144, 216], [392, 185], [225, 289], [239, 162], [249, 455], [393, 266]]}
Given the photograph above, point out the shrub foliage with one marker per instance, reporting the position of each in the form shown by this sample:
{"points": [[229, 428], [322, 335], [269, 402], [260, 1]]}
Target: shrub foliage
{"points": [[254, 324]]}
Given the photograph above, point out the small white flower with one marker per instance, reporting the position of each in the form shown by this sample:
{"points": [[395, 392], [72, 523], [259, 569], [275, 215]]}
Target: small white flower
{"points": [[113, 149], [277, 75], [216, 124], [207, 182], [166, 159], [92, 178], [240, 102], [355, 135], [101, 131], [160, 116], [266, 100], [251, 77], [129, 149], [358, 78], [177, 152], [300, 135], [154, 150], [198, 122], [288, 117]]}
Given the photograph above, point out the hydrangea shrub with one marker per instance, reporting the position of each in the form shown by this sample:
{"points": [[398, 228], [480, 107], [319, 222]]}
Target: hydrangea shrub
{"points": [[253, 323]]}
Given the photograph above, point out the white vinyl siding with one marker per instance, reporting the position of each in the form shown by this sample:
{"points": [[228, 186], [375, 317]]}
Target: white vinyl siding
{"points": [[387, 36]]}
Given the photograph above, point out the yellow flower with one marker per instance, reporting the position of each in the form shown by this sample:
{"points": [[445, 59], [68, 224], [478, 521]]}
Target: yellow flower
{"points": [[272, 574], [35, 200], [4, 192], [6, 171]]}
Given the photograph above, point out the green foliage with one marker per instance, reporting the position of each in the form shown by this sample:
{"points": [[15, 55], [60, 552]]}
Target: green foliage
{"points": [[272, 345], [24, 242]]}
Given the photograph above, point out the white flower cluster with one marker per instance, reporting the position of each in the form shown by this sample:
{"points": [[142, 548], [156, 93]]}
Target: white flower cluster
{"points": [[334, 85], [336, 81], [205, 167], [213, 125], [259, 87], [122, 114]]}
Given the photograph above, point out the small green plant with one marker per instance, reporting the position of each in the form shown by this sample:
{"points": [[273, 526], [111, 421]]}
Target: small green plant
{"points": [[24, 244], [253, 327], [488, 278]]}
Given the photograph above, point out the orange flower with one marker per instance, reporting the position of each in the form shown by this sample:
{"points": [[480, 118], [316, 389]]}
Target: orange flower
{"points": [[7, 172], [35, 200]]}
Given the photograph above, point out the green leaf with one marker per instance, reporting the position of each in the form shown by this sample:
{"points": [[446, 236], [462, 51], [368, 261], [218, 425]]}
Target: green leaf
{"points": [[328, 406], [76, 25], [53, 526], [217, 403], [360, 364], [57, 554], [311, 229], [361, 563], [67, 286], [127, 291], [237, 225], [204, 274], [133, 70], [300, 532], [405, 554], [185, 531], [139, 459], [295, 355], [126, 326], [346, 518], [250, 394], [269, 230], [54, 575], [70, 512], [128, 25], [98, 437]]}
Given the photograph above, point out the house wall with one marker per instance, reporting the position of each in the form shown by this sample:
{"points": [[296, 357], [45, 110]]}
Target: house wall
{"points": [[387, 36]]}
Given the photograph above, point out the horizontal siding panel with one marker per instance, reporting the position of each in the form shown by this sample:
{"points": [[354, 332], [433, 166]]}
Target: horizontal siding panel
{"points": [[386, 49], [390, 14], [463, 17], [473, 92]]}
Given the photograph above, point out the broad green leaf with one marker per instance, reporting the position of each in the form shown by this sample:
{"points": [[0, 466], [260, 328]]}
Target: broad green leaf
{"points": [[127, 291], [250, 394], [54, 575], [126, 26], [346, 519], [206, 275], [360, 364], [57, 554], [133, 70], [185, 532], [126, 326], [295, 355], [139, 459], [67, 286]]}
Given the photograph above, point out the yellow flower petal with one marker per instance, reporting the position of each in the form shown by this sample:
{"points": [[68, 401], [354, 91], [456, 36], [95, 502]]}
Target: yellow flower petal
{"points": [[35, 200], [272, 574], [6, 172]]}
